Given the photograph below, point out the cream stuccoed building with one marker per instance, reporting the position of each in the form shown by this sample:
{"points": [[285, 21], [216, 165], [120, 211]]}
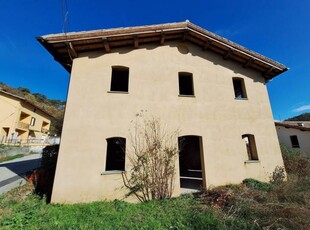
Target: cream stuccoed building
{"points": [[213, 89]]}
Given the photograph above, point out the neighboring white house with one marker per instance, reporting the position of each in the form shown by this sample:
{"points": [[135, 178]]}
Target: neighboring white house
{"points": [[295, 134]]}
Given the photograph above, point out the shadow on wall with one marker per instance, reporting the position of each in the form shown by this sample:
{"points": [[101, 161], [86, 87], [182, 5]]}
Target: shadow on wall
{"points": [[43, 177], [187, 48]]}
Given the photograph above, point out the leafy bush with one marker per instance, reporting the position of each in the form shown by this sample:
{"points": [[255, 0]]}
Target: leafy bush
{"points": [[296, 163], [296, 188], [252, 183], [278, 175]]}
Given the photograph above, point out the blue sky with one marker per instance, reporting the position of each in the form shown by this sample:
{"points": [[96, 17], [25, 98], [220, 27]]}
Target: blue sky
{"points": [[278, 29]]}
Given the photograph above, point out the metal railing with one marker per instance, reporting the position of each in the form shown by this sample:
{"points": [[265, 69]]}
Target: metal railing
{"points": [[29, 141]]}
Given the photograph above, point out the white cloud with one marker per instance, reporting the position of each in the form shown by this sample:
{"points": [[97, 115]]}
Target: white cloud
{"points": [[302, 108]]}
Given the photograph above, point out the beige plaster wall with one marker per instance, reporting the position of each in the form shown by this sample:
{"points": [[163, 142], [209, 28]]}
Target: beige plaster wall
{"points": [[39, 116], [11, 109], [94, 114], [303, 138]]}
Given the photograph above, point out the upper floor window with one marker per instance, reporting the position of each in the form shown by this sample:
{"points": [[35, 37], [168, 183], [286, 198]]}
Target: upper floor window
{"points": [[250, 146], [33, 121], [186, 85], [239, 88], [294, 141], [115, 160], [119, 79]]}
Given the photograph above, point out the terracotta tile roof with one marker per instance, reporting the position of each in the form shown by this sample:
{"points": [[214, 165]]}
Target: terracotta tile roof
{"points": [[293, 126], [65, 47]]}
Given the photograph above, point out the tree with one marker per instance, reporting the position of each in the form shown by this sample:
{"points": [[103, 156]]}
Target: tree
{"points": [[152, 154], [57, 123], [301, 117], [40, 97], [23, 90], [57, 103]]}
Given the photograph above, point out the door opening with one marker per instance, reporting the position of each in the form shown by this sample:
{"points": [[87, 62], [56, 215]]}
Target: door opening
{"points": [[190, 162]]}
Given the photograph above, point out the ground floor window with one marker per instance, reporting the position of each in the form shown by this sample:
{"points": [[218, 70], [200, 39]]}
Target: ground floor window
{"points": [[115, 159]]}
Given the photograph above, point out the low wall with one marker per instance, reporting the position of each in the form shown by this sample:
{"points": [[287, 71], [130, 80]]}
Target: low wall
{"points": [[13, 150]]}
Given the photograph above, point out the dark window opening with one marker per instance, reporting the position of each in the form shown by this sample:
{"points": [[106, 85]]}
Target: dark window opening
{"points": [[115, 154], [186, 86], [294, 141], [250, 146], [120, 79], [239, 88]]}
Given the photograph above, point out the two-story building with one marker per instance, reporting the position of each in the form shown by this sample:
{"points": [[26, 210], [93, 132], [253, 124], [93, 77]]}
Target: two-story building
{"points": [[213, 89], [21, 121], [295, 135]]}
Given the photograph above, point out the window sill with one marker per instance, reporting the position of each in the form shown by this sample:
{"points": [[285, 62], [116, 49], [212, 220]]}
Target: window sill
{"points": [[241, 99], [120, 92], [181, 95], [112, 172], [251, 161]]}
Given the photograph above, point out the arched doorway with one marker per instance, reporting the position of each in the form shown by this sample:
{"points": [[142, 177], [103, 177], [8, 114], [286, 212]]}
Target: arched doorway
{"points": [[191, 162]]}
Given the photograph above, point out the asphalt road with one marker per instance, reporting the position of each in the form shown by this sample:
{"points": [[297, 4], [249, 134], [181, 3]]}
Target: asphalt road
{"points": [[12, 173]]}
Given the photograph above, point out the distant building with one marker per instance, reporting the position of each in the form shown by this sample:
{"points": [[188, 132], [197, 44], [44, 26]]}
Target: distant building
{"points": [[213, 89], [21, 122], [295, 134]]}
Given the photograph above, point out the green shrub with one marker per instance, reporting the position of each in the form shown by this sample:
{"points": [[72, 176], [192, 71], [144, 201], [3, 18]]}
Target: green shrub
{"points": [[296, 163], [252, 183], [3, 159]]}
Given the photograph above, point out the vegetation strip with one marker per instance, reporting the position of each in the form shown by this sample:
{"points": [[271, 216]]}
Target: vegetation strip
{"points": [[251, 205], [11, 157]]}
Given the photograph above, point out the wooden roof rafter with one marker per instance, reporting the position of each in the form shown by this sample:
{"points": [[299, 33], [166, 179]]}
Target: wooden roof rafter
{"points": [[228, 54], [245, 65], [106, 45], [136, 41], [162, 38], [70, 45], [206, 44]]}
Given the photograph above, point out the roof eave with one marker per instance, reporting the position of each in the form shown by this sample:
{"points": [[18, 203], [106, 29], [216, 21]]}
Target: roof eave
{"points": [[72, 44]]}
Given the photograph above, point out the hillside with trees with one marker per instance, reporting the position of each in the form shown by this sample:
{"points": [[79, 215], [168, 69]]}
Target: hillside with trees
{"points": [[301, 117], [51, 106]]}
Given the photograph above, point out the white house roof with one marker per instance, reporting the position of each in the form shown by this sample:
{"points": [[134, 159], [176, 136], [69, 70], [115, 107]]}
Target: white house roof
{"points": [[294, 125]]}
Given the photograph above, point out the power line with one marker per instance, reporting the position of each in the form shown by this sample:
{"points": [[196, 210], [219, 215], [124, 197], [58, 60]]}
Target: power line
{"points": [[65, 12]]}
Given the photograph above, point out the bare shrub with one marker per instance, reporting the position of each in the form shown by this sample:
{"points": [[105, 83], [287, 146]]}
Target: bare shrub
{"points": [[278, 175], [152, 153]]}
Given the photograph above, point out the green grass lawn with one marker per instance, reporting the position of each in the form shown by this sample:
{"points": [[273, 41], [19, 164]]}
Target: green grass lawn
{"points": [[3, 159], [251, 205], [30, 212]]}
